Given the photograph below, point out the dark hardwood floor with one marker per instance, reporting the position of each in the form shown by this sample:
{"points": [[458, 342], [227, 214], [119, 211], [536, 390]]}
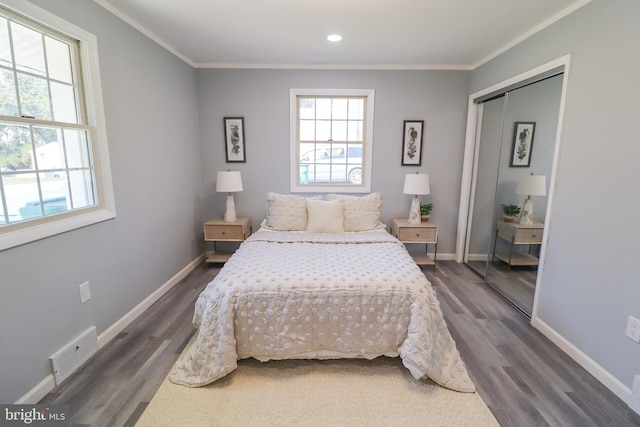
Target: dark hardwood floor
{"points": [[523, 378], [517, 284]]}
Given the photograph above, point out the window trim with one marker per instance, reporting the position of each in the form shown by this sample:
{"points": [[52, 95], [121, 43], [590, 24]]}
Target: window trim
{"points": [[91, 89], [294, 156]]}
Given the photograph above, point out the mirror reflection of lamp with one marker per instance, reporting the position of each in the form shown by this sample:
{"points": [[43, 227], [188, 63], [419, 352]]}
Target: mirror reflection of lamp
{"points": [[229, 182], [530, 185], [416, 184]]}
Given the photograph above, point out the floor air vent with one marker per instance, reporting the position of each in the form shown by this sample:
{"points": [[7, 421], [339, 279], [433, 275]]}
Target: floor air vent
{"points": [[70, 357]]}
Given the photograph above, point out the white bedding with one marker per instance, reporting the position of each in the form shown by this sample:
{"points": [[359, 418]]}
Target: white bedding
{"points": [[320, 295]]}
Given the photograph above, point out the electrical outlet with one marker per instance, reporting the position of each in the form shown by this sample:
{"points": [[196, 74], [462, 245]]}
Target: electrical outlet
{"points": [[633, 329], [85, 292]]}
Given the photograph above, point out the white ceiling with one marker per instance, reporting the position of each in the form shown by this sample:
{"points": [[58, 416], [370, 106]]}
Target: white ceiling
{"points": [[387, 34]]}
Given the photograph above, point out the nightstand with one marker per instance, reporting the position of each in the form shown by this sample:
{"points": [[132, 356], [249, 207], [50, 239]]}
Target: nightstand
{"points": [[425, 232], [218, 230], [518, 234]]}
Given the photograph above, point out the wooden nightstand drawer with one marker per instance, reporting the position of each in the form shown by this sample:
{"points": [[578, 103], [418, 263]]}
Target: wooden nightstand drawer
{"points": [[223, 232], [417, 234], [220, 230], [525, 235]]}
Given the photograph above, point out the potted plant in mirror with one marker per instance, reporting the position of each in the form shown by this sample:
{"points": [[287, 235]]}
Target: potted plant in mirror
{"points": [[425, 210], [510, 212]]}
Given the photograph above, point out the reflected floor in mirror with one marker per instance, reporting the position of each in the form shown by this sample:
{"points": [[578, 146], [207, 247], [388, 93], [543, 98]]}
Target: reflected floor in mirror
{"points": [[517, 284]]}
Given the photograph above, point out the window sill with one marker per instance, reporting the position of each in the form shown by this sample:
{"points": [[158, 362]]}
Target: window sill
{"points": [[51, 226]]}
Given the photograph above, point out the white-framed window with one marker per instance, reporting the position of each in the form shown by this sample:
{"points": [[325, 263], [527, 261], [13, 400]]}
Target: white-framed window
{"points": [[331, 140], [54, 165]]}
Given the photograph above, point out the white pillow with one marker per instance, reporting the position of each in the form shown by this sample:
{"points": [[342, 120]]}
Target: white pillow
{"points": [[286, 212], [325, 216], [361, 213]]}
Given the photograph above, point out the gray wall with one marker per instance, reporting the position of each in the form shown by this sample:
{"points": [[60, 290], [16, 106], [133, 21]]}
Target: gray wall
{"points": [[262, 98], [590, 279], [152, 125]]}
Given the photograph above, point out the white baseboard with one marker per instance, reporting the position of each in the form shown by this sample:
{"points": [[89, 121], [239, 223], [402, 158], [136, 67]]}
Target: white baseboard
{"points": [[36, 394], [478, 257], [441, 257], [112, 331], [601, 374], [45, 386]]}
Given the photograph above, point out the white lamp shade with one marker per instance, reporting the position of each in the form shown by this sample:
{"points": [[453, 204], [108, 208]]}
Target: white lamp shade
{"points": [[532, 185], [416, 183], [229, 182]]}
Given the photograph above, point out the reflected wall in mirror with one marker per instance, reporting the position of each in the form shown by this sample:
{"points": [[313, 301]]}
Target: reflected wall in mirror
{"points": [[483, 201], [506, 253]]}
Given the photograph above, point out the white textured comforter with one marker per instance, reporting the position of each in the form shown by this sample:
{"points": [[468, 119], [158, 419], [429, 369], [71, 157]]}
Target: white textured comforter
{"points": [[301, 295]]}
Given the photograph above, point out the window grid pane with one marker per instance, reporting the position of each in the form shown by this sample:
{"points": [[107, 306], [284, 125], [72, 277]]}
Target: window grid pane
{"points": [[82, 188], [28, 49], [5, 46], [58, 60], [63, 103], [8, 100], [33, 93]]}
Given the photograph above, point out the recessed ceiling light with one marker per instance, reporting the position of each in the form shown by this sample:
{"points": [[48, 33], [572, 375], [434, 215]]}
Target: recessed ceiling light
{"points": [[334, 37]]}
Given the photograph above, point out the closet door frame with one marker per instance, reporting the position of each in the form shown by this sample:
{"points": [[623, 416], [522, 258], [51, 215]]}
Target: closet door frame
{"points": [[471, 138]]}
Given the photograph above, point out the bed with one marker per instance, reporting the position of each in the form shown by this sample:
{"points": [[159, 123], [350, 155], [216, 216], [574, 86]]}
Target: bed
{"points": [[321, 278]]}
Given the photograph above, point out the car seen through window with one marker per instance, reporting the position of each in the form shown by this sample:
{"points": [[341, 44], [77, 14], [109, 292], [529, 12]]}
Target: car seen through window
{"points": [[336, 164]]}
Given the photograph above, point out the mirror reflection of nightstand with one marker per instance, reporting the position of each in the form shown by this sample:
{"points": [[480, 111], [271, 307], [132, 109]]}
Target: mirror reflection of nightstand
{"points": [[518, 234]]}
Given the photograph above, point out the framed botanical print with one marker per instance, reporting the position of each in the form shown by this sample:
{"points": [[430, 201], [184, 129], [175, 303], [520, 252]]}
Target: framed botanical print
{"points": [[412, 142], [522, 144], [234, 139]]}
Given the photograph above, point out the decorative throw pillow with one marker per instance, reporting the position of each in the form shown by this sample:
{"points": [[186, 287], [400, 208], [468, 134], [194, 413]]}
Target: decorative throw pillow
{"points": [[361, 213], [325, 216], [286, 212]]}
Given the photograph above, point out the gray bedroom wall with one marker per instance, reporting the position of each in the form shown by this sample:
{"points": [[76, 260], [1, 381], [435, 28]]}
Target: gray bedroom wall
{"points": [[152, 126], [590, 281], [262, 98]]}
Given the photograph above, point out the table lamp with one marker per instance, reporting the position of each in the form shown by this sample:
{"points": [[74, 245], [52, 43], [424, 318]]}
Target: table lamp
{"points": [[229, 182], [416, 184], [530, 185]]}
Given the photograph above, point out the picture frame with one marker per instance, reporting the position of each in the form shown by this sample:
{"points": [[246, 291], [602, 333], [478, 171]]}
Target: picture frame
{"points": [[522, 147], [234, 138], [412, 142]]}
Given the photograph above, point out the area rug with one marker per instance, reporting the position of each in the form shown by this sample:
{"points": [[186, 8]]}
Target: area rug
{"points": [[346, 392]]}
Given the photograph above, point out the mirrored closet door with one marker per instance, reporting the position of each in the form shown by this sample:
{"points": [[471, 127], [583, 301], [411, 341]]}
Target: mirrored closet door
{"points": [[513, 162]]}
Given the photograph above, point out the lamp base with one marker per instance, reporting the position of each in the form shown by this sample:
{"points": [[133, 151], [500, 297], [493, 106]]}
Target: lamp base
{"points": [[230, 210], [526, 216], [414, 213]]}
